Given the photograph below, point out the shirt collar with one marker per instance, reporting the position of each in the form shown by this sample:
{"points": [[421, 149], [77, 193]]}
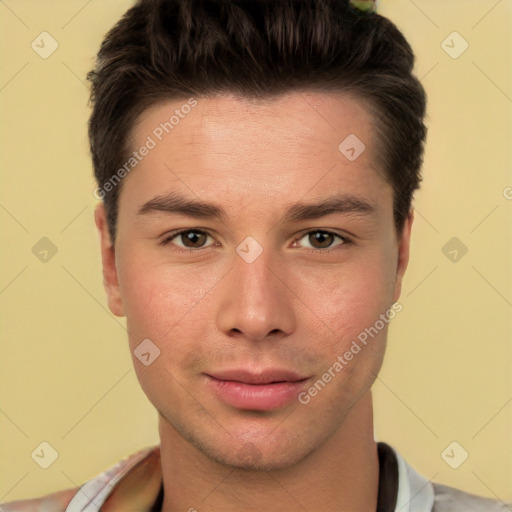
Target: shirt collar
{"points": [[415, 492]]}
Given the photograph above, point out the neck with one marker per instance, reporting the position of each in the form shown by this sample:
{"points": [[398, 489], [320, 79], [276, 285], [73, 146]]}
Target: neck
{"points": [[342, 474]]}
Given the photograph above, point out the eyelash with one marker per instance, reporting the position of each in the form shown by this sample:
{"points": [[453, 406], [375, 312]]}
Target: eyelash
{"points": [[175, 234]]}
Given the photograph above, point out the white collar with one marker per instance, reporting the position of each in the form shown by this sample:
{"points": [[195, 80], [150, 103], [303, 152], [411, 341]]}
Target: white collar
{"points": [[415, 492]]}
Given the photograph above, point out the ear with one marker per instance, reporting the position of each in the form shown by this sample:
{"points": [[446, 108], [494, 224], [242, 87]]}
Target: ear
{"points": [[108, 257], [403, 254]]}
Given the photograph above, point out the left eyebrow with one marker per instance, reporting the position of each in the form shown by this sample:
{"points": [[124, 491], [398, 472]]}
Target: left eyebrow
{"points": [[175, 203], [346, 203]]}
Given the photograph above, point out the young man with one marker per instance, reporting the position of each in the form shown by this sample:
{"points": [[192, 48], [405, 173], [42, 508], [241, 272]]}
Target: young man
{"points": [[256, 163]]}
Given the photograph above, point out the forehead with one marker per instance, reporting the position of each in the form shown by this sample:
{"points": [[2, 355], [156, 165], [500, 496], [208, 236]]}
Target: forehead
{"points": [[300, 122], [257, 153]]}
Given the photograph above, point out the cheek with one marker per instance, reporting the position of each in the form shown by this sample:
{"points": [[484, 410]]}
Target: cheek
{"points": [[346, 299], [352, 348], [163, 307], [163, 302]]}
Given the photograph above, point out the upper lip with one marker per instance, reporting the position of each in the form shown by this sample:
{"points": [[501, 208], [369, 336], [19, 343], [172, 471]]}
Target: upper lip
{"points": [[264, 376]]}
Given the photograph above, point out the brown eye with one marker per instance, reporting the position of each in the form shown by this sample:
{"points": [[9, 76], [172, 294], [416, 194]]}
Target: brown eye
{"points": [[323, 241], [188, 239], [193, 239]]}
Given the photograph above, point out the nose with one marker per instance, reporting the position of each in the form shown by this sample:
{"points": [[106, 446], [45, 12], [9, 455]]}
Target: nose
{"points": [[256, 300]]}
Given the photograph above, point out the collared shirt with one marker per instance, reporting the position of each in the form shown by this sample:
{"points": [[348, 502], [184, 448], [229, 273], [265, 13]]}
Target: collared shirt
{"points": [[135, 484]]}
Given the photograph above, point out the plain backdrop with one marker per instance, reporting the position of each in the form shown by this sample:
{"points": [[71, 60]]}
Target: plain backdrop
{"points": [[66, 372]]}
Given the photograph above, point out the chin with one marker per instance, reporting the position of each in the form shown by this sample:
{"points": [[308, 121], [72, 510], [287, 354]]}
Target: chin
{"points": [[252, 456]]}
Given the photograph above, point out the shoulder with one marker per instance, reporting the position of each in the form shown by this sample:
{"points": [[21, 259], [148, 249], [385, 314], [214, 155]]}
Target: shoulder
{"points": [[437, 497], [138, 469], [56, 502], [449, 499]]}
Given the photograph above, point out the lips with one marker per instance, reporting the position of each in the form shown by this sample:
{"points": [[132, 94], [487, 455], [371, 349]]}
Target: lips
{"points": [[261, 390], [262, 377]]}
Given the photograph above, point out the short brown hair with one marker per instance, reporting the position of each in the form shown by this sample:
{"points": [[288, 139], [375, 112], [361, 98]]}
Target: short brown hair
{"points": [[174, 49]]}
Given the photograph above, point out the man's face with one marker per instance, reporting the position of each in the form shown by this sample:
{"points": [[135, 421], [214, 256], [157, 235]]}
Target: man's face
{"points": [[247, 315]]}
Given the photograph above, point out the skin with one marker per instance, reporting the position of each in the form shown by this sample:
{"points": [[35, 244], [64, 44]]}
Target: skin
{"points": [[291, 308]]}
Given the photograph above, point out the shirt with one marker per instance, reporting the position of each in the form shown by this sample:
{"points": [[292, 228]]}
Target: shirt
{"points": [[135, 484]]}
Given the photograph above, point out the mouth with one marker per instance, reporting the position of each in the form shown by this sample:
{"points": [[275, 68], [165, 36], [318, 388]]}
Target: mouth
{"points": [[263, 390]]}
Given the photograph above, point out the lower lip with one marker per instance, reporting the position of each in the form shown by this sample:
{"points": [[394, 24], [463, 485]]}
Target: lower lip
{"points": [[256, 397]]}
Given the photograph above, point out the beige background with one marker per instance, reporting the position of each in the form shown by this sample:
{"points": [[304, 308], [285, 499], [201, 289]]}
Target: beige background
{"points": [[66, 373]]}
